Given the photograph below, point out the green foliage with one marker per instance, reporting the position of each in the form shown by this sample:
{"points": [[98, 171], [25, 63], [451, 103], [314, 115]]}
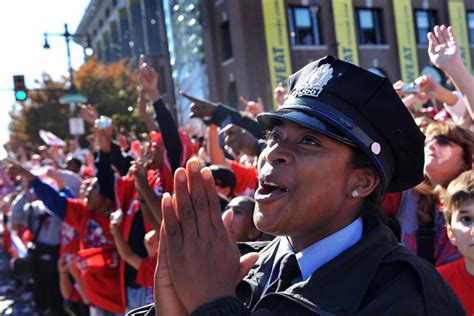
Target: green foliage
{"points": [[110, 88], [42, 111]]}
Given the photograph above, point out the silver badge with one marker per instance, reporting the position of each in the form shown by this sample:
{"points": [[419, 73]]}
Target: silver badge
{"points": [[315, 82]]}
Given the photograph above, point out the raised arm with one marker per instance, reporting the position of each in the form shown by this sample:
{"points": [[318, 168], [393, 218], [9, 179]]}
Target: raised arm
{"points": [[216, 154], [222, 115], [122, 247], [150, 203], [164, 119], [445, 53], [105, 173], [142, 102]]}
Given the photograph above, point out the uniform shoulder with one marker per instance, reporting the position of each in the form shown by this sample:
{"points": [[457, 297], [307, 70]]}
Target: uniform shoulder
{"points": [[420, 277]]}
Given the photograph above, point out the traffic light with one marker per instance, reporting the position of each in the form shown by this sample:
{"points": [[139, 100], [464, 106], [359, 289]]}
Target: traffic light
{"points": [[21, 93]]}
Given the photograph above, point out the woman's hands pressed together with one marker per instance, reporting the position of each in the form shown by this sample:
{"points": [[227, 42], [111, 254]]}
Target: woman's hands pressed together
{"points": [[201, 255]]}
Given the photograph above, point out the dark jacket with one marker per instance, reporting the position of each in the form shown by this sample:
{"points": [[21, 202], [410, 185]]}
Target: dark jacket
{"points": [[376, 276]]}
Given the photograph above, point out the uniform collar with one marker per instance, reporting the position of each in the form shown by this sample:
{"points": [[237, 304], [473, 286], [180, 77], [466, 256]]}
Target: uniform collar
{"points": [[316, 255]]}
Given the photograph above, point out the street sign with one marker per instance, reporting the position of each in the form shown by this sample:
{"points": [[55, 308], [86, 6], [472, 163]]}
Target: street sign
{"points": [[72, 98], [76, 126]]}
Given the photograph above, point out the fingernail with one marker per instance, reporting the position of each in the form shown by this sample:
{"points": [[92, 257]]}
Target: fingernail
{"points": [[166, 201], [181, 175], [206, 173], [194, 165]]}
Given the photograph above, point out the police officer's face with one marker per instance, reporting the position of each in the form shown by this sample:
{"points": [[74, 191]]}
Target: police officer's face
{"points": [[304, 178]]}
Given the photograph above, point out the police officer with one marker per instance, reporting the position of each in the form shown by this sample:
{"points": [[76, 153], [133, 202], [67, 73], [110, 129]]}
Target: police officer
{"points": [[341, 139]]}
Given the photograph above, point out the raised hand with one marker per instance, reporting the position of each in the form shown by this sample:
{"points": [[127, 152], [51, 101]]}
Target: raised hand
{"points": [[17, 168], [138, 171], [200, 108], [251, 106], [148, 80], [104, 138], [199, 248], [280, 94], [443, 49], [240, 140], [116, 218], [88, 113]]}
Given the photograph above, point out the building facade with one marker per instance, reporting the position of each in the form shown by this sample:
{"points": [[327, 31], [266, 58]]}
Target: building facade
{"points": [[127, 28], [252, 45], [223, 49]]}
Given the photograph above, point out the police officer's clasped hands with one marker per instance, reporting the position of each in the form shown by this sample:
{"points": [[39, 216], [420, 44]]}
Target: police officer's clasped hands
{"points": [[196, 246]]}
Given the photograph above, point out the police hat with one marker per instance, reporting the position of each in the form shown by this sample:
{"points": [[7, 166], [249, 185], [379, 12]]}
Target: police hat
{"points": [[359, 108]]}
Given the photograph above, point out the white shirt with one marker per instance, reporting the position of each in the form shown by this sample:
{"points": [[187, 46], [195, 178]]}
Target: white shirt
{"points": [[316, 255]]}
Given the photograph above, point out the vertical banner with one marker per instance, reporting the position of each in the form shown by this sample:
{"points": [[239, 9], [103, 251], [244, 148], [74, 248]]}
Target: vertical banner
{"points": [[276, 36], [457, 18], [406, 39], [345, 31]]}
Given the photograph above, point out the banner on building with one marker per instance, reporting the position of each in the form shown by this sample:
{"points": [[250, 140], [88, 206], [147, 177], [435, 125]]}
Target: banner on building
{"points": [[345, 31], [457, 18], [406, 39], [276, 35]]}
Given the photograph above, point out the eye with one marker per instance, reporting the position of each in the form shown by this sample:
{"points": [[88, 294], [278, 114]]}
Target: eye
{"points": [[310, 140], [466, 220], [273, 136]]}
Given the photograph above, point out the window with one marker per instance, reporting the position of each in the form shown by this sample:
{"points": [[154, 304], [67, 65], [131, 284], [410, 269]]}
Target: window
{"points": [[304, 25], [370, 31], [470, 25], [425, 20], [226, 41]]}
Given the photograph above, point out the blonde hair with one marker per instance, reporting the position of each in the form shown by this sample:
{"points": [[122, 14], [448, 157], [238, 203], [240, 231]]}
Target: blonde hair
{"points": [[459, 190]]}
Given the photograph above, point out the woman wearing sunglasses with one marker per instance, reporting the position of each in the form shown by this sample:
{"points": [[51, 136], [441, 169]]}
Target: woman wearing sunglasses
{"points": [[448, 152]]}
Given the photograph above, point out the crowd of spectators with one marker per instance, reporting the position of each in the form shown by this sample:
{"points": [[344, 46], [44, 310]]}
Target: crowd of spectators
{"points": [[82, 225]]}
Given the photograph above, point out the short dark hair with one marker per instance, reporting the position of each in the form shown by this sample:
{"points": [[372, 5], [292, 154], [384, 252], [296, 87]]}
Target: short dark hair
{"points": [[77, 163], [223, 177]]}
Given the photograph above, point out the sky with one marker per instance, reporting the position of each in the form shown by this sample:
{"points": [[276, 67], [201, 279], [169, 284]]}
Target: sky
{"points": [[22, 24]]}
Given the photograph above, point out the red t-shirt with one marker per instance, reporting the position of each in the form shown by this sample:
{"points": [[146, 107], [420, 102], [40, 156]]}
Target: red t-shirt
{"points": [[69, 241], [246, 177], [146, 272], [461, 281], [97, 258]]}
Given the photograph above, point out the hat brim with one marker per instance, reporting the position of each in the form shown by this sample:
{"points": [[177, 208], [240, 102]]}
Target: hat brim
{"points": [[270, 119]]}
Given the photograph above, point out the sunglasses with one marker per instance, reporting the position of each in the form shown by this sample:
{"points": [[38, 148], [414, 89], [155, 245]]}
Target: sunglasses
{"points": [[440, 140]]}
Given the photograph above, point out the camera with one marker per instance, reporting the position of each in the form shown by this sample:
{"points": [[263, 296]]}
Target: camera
{"points": [[410, 88], [103, 122]]}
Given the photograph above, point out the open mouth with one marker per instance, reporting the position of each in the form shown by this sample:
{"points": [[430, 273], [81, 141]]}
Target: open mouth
{"points": [[267, 188], [269, 191]]}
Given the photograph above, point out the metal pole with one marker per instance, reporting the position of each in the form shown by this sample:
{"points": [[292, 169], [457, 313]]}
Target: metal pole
{"points": [[67, 36]]}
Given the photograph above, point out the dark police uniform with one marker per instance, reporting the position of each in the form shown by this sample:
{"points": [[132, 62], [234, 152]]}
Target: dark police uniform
{"points": [[375, 276]]}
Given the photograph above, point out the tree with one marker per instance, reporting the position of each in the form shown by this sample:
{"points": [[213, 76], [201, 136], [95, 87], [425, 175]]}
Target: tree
{"points": [[111, 89], [42, 111]]}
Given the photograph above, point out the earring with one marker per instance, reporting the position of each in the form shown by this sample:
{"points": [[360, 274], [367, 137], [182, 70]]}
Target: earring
{"points": [[354, 193]]}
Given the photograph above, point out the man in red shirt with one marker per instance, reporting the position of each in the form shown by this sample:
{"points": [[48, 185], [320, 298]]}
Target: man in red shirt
{"points": [[97, 257]]}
